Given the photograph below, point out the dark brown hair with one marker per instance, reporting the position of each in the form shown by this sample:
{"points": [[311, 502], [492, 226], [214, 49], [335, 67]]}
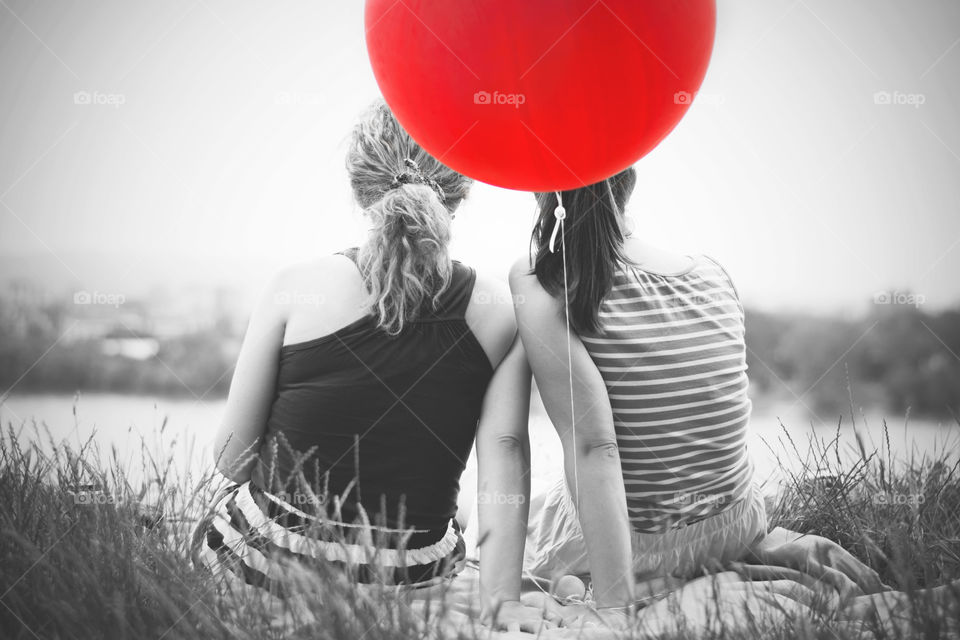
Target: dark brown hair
{"points": [[593, 236]]}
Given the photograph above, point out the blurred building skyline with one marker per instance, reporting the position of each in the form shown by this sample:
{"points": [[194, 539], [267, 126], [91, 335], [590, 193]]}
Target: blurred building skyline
{"points": [[179, 142]]}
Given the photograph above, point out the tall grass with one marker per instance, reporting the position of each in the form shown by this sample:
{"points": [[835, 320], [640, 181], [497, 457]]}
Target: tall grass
{"points": [[86, 551], [898, 514]]}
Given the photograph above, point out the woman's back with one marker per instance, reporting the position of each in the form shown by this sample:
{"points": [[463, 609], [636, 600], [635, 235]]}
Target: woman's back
{"points": [[386, 422], [671, 351], [652, 405], [360, 386]]}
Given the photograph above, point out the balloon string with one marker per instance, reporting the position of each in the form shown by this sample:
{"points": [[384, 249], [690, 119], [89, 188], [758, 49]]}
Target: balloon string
{"points": [[560, 214]]}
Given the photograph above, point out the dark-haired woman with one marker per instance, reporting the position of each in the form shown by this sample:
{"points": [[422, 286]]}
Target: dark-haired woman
{"points": [[362, 382], [658, 480]]}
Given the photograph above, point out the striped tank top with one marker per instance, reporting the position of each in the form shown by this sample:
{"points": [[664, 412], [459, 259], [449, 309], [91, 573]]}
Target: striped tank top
{"points": [[671, 351]]}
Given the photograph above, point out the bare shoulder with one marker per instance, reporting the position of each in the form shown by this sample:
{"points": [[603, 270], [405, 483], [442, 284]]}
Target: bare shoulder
{"points": [[532, 302], [490, 316], [521, 272], [648, 256], [491, 301], [316, 297], [316, 275]]}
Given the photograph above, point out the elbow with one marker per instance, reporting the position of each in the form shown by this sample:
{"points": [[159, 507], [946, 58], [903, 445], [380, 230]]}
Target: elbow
{"points": [[502, 453], [503, 444], [222, 460], [598, 448], [511, 443], [234, 465], [225, 465], [504, 447], [227, 471], [235, 470]]}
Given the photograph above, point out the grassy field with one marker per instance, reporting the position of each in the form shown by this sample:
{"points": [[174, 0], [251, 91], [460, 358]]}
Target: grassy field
{"points": [[86, 554]]}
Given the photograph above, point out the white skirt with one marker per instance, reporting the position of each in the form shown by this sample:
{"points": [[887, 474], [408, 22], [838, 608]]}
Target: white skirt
{"points": [[556, 547]]}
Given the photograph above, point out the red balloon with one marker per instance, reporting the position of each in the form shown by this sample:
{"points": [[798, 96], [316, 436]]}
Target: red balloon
{"points": [[539, 95]]}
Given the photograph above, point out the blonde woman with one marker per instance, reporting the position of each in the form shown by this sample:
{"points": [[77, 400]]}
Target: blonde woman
{"points": [[351, 415]]}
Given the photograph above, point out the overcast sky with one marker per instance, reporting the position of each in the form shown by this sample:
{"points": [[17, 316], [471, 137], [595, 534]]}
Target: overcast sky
{"points": [[211, 134]]}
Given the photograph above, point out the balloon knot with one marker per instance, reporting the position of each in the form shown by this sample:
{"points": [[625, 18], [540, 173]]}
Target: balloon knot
{"points": [[559, 215]]}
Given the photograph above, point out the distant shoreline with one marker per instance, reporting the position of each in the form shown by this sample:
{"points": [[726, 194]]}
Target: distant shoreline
{"points": [[763, 402]]}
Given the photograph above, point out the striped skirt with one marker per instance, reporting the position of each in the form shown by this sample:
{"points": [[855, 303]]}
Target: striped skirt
{"points": [[271, 544]]}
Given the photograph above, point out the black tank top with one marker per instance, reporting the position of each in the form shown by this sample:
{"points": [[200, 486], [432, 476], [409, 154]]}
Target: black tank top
{"points": [[383, 422]]}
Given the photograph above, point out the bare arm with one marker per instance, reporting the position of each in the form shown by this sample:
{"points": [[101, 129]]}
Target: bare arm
{"points": [[590, 452], [252, 391], [503, 455]]}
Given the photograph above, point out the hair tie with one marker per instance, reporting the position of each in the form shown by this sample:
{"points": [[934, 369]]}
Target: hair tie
{"points": [[413, 175]]}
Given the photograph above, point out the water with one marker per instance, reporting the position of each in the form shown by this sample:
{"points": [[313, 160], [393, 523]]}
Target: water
{"points": [[188, 428], [130, 425]]}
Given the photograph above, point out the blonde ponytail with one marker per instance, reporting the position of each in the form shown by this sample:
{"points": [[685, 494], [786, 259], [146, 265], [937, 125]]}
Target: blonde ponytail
{"points": [[410, 198]]}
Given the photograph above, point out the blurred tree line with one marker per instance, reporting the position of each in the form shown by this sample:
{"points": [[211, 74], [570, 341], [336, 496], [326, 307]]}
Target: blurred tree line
{"points": [[895, 358], [36, 355]]}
